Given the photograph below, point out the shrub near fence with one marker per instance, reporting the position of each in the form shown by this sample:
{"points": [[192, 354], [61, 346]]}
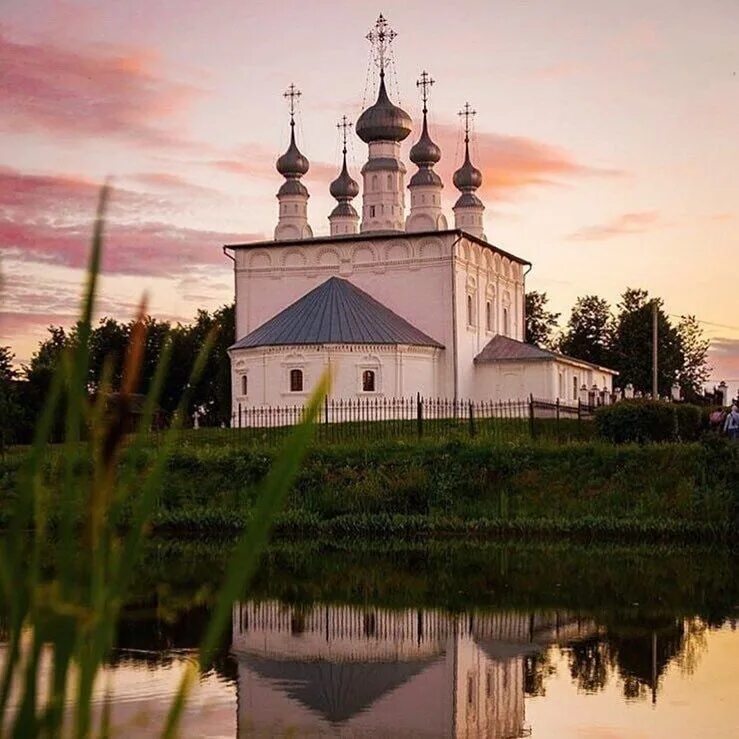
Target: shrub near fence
{"points": [[645, 421], [433, 418]]}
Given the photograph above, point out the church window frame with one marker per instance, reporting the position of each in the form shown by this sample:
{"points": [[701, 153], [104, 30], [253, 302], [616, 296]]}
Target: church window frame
{"points": [[375, 183], [369, 381], [506, 321], [575, 387], [244, 385], [488, 315], [390, 182], [296, 378], [372, 211], [471, 313]]}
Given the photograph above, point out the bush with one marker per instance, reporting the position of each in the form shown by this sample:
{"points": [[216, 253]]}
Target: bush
{"points": [[690, 423], [641, 421]]}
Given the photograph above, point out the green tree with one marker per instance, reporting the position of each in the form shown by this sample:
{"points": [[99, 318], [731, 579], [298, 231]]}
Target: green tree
{"points": [[540, 322], [632, 344], [10, 409], [108, 342], [695, 370], [589, 332]]}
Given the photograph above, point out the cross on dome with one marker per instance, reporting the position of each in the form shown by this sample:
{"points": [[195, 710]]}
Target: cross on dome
{"points": [[292, 94], [467, 112], [381, 36], [425, 82], [344, 125]]}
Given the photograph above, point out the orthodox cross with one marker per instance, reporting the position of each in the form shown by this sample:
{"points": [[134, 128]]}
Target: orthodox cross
{"points": [[424, 83], [381, 36], [292, 94], [344, 124], [468, 113]]}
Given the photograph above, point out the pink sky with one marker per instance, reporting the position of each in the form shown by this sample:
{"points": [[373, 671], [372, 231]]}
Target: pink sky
{"points": [[607, 133]]}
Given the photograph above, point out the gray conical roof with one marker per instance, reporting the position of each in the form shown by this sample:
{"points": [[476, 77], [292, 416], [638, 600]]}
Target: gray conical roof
{"points": [[383, 121], [336, 312]]}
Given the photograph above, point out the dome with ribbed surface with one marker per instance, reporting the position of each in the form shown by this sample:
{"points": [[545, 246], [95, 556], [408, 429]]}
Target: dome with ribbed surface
{"points": [[383, 121], [292, 163]]}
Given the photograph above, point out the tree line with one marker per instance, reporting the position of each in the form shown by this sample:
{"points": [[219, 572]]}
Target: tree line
{"points": [[621, 339], [22, 392]]}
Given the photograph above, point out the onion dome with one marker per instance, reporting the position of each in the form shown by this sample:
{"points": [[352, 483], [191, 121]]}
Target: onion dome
{"points": [[383, 121], [344, 188], [292, 163], [468, 177], [425, 153]]}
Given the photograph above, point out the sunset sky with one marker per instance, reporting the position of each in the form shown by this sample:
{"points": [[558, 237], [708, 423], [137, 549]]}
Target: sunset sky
{"points": [[607, 132]]}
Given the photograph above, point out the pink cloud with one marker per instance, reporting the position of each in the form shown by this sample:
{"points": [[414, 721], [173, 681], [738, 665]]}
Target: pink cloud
{"points": [[724, 358], [510, 163], [49, 219], [82, 92], [622, 225], [256, 160]]}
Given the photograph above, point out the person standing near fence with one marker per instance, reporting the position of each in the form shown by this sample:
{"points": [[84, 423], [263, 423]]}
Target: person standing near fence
{"points": [[731, 424]]}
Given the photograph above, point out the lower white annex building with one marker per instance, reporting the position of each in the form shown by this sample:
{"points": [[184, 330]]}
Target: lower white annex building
{"points": [[393, 305]]}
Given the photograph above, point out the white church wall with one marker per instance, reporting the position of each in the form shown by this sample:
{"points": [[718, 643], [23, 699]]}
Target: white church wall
{"points": [[398, 371], [411, 276], [489, 298], [501, 381]]}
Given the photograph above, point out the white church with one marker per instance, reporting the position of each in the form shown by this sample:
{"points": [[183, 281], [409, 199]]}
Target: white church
{"points": [[393, 302]]}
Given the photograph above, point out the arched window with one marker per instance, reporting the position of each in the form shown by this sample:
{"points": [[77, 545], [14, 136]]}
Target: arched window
{"points": [[368, 381], [389, 182], [372, 211], [561, 385], [244, 384], [506, 322], [574, 388], [374, 182], [295, 207], [296, 381], [470, 311], [489, 316]]}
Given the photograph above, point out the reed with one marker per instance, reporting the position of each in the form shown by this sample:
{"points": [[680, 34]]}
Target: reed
{"points": [[59, 625]]}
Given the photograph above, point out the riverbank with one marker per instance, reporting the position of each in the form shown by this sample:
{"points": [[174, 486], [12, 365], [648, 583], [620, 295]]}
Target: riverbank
{"points": [[460, 488]]}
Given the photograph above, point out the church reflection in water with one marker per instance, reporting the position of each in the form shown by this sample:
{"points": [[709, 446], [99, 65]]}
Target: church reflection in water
{"points": [[356, 671]]}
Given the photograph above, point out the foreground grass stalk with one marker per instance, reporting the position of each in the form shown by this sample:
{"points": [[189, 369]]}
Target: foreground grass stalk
{"points": [[68, 620]]}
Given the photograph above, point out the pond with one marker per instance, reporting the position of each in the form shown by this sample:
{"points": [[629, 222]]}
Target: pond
{"points": [[437, 639]]}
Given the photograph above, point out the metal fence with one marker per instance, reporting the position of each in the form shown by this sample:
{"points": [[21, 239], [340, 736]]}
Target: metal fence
{"points": [[345, 420]]}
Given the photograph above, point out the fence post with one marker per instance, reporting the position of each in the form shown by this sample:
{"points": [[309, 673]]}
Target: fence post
{"points": [[419, 415], [472, 420], [531, 416]]}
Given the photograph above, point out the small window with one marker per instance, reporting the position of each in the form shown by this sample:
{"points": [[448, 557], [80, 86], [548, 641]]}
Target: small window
{"points": [[372, 211], [296, 381], [295, 207], [389, 182], [489, 316], [374, 182], [506, 322], [368, 381], [574, 388], [244, 384]]}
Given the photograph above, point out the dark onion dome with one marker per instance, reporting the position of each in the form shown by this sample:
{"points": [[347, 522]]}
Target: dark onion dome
{"points": [[293, 186], [383, 121], [425, 176], [292, 163], [425, 153], [468, 177], [344, 187], [344, 208]]}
